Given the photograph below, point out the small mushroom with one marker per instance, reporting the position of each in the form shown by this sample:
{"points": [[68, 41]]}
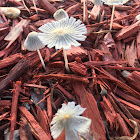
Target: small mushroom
{"points": [[33, 43], [10, 12], [59, 14], [63, 33], [113, 2], [68, 119]]}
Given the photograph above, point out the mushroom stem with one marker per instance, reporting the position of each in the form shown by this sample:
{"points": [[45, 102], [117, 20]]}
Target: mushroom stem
{"points": [[98, 17], [66, 60], [26, 7], [84, 11], [35, 6], [42, 61], [112, 17]]}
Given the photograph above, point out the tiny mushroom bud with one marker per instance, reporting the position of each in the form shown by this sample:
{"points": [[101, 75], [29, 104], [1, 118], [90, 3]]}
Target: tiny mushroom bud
{"points": [[68, 118], [113, 2], [138, 17], [10, 12], [125, 73], [59, 14], [33, 43], [63, 33]]}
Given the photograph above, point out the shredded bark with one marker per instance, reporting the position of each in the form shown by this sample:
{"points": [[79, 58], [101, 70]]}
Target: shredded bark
{"points": [[104, 74]]}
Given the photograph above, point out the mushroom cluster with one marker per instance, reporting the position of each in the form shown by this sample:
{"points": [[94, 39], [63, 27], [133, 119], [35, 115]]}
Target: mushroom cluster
{"points": [[62, 33]]}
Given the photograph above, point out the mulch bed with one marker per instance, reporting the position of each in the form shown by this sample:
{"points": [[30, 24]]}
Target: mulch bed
{"points": [[104, 71]]}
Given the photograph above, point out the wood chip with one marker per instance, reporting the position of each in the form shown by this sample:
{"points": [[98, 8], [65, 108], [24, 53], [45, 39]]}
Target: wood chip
{"points": [[87, 101], [128, 31], [64, 77], [12, 59], [17, 30], [40, 133], [15, 73], [14, 107]]}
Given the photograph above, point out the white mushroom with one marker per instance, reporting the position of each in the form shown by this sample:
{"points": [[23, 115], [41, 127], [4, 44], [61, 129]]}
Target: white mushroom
{"points": [[59, 14], [10, 12], [33, 43], [63, 33], [114, 2], [68, 118]]}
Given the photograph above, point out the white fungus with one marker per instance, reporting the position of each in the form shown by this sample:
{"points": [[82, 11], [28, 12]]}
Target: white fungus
{"points": [[10, 12], [59, 14], [63, 33], [114, 2], [68, 118], [33, 43]]}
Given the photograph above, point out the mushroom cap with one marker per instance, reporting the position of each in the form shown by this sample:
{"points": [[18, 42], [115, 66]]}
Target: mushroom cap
{"points": [[97, 2], [32, 42], [10, 12], [114, 2], [59, 14], [68, 118], [63, 33]]}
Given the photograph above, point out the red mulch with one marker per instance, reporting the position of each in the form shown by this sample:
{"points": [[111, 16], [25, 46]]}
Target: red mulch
{"points": [[30, 96]]}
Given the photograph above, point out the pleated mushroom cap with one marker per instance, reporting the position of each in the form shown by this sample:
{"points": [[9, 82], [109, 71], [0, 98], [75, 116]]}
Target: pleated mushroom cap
{"points": [[63, 33], [68, 118]]}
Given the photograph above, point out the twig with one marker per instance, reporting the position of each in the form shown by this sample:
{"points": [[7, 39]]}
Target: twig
{"points": [[16, 91]]}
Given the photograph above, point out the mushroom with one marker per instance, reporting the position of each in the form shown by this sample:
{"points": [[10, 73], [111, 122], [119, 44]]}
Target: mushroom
{"points": [[68, 119], [33, 43], [63, 33], [59, 14], [10, 12], [113, 2]]}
